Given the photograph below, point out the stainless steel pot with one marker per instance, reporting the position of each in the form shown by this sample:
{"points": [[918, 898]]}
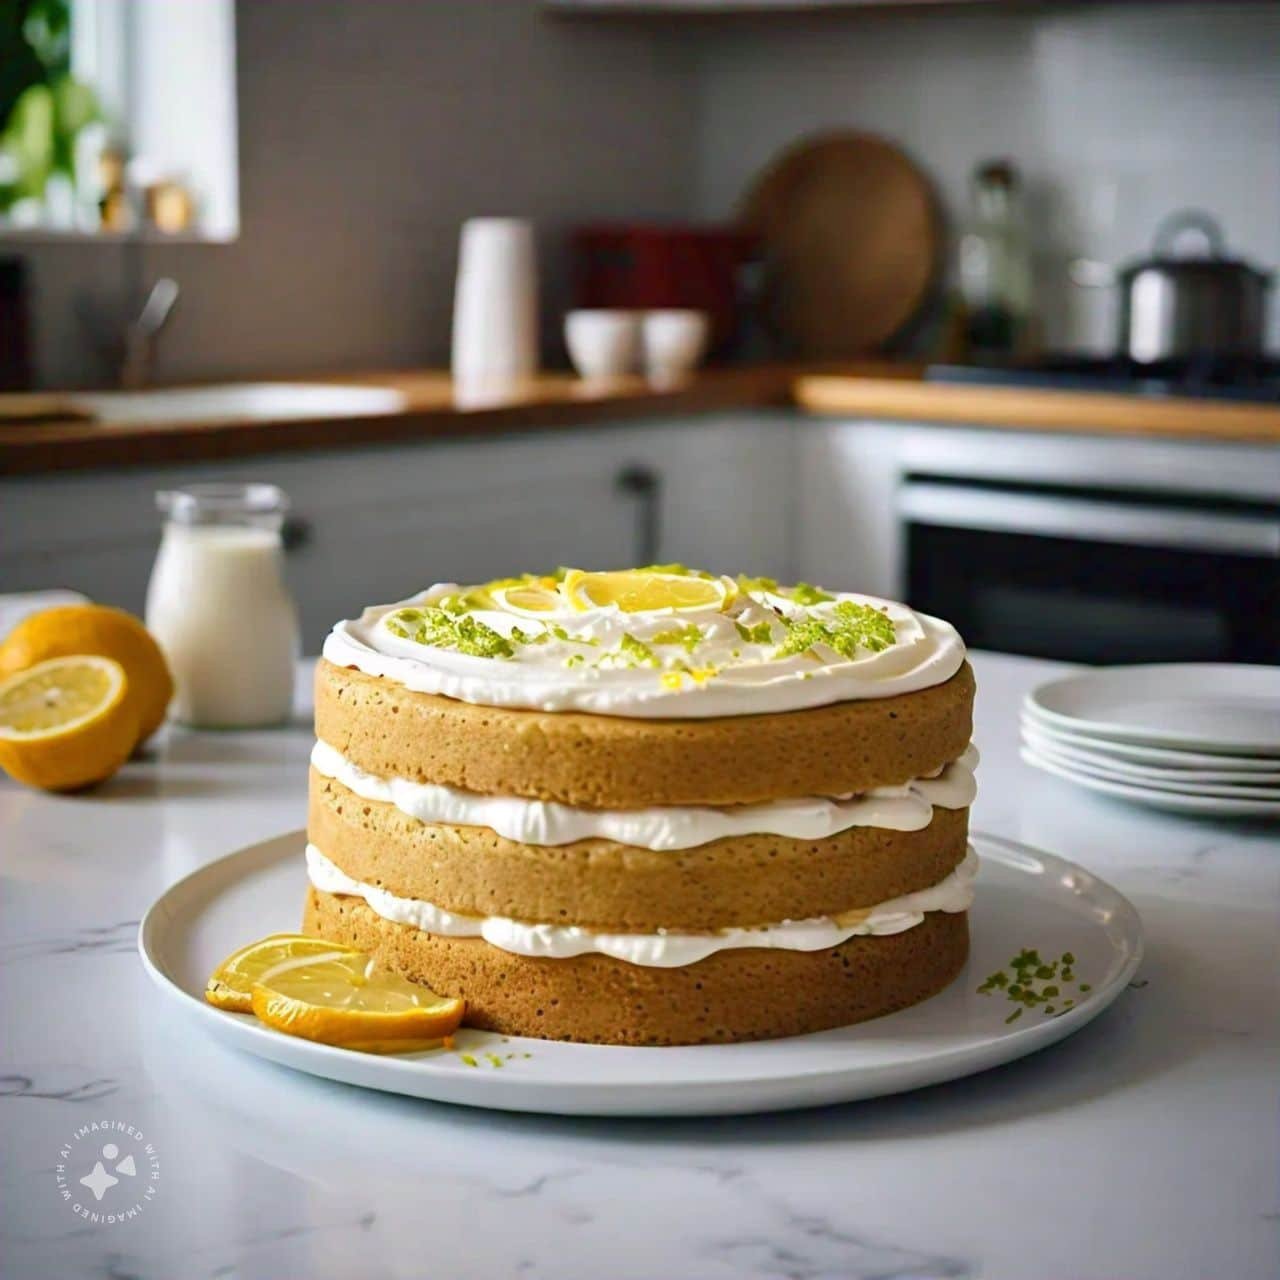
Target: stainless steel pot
{"points": [[1182, 308]]}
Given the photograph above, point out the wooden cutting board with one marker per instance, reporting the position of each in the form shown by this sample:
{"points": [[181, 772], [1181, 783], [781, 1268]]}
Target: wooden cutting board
{"points": [[851, 239]]}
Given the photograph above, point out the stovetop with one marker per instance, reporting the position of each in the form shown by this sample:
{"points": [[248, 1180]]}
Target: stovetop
{"points": [[1251, 381]]}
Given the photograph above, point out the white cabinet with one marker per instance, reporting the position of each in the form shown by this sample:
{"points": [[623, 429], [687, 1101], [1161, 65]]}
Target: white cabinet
{"points": [[846, 531], [375, 524]]}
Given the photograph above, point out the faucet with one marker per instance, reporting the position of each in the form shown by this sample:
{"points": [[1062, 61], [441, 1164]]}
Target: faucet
{"points": [[140, 334]]}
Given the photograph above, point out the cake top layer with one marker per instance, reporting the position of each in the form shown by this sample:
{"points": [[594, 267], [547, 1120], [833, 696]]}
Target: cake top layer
{"points": [[657, 643]]}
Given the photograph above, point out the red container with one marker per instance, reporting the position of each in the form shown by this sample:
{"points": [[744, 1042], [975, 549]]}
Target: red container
{"points": [[640, 266]]}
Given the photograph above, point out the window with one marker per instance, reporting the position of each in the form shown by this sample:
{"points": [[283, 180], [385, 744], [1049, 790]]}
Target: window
{"points": [[119, 118]]}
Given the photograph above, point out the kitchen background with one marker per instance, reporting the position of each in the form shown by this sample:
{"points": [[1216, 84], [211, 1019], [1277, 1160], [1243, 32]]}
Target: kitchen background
{"points": [[368, 132], [1123, 512]]}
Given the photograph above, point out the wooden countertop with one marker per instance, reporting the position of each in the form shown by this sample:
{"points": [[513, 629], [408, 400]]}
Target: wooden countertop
{"points": [[1037, 408], [433, 409]]}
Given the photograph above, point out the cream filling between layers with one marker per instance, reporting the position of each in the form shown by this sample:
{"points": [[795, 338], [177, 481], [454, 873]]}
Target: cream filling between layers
{"points": [[658, 950], [542, 822]]}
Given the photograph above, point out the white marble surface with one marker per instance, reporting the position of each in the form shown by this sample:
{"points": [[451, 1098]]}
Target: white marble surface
{"points": [[1146, 1146]]}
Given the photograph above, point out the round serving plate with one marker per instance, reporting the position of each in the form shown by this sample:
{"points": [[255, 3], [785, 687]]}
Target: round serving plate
{"points": [[1231, 709], [1024, 898], [1173, 801]]}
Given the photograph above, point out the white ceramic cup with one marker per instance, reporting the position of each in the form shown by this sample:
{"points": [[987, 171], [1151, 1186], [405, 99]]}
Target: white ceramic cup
{"points": [[603, 343], [674, 342], [495, 303]]}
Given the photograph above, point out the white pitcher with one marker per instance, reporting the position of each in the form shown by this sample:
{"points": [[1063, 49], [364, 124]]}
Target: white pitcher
{"points": [[495, 304]]}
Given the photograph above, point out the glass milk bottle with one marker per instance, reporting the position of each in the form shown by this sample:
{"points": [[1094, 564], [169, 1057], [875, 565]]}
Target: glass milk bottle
{"points": [[217, 604]]}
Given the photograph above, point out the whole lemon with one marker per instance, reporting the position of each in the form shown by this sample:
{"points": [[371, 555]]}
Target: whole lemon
{"points": [[109, 633]]}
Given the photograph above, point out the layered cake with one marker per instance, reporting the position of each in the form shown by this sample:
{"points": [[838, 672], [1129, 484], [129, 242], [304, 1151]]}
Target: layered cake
{"points": [[647, 807]]}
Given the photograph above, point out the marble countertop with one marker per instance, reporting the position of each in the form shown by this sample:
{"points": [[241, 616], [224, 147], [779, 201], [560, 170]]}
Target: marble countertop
{"points": [[1145, 1146]]}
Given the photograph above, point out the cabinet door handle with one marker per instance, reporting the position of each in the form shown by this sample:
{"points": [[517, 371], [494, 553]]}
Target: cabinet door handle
{"points": [[644, 485], [295, 532]]}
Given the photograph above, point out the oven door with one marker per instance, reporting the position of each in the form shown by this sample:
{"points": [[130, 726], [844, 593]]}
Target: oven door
{"points": [[1095, 577]]}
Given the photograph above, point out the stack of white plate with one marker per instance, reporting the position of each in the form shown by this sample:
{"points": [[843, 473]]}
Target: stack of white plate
{"points": [[1192, 737]]}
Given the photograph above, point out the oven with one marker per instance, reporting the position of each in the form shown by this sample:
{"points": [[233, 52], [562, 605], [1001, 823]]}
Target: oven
{"points": [[1094, 573]]}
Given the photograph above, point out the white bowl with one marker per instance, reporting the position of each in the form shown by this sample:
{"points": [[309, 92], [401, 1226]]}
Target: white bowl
{"points": [[674, 342], [602, 343]]}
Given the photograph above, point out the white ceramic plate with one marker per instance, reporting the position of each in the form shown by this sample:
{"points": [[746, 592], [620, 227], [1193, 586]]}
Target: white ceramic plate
{"points": [[1266, 795], [1262, 785], [1218, 707], [1025, 898], [1164, 756], [1151, 762], [1174, 801]]}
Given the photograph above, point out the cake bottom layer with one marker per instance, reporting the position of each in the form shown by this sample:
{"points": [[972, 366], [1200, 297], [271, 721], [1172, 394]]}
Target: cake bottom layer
{"points": [[749, 994]]}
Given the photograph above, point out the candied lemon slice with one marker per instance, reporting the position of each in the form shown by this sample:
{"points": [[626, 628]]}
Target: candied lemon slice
{"points": [[231, 983], [345, 1000], [645, 591], [66, 722], [529, 600]]}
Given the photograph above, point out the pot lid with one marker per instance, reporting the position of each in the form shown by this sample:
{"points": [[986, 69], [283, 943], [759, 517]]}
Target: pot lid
{"points": [[1210, 262]]}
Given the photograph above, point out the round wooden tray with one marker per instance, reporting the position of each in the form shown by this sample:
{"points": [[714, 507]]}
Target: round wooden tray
{"points": [[851, 238]]}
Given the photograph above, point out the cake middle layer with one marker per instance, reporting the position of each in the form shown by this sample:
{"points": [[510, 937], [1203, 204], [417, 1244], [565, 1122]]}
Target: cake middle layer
{"points": [[661, 948], [601, 884]]}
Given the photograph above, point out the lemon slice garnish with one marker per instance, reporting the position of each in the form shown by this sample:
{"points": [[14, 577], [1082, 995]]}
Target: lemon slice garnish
{"points": [[345, 1000], [529, 601], [66, 722], [644, 591], [231, 983]]}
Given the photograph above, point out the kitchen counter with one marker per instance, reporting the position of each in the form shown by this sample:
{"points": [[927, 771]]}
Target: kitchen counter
{"points": [[1143, 1148], [432, 407], [1037, 408]]}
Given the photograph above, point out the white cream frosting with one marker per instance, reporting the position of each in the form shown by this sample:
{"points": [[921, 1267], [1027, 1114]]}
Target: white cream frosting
{"points": [[904, 808], [659, 950], [577, 674]]}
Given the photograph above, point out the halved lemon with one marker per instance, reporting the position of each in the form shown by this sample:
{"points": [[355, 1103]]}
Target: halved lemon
{"points": [[529, 600], [66, 722], [231, 983], [73, 629], [645, 591], [346, 1000]]}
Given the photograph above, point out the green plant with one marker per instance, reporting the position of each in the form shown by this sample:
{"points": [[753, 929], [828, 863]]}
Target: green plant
{"points": [[42, 105]]}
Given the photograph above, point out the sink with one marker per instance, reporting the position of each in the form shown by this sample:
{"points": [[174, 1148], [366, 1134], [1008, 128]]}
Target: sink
{"points": [[270, 401]]}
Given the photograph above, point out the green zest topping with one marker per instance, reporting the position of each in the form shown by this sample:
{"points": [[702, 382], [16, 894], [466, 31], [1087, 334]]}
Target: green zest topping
{"points": [[523, 637], [432, 626], [639, 652], [568, 637], [849, 627], [807, 593], [689, 636], [575, 660], [761, 633], [1032, 983], [495, 1060], [757, 585]]}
